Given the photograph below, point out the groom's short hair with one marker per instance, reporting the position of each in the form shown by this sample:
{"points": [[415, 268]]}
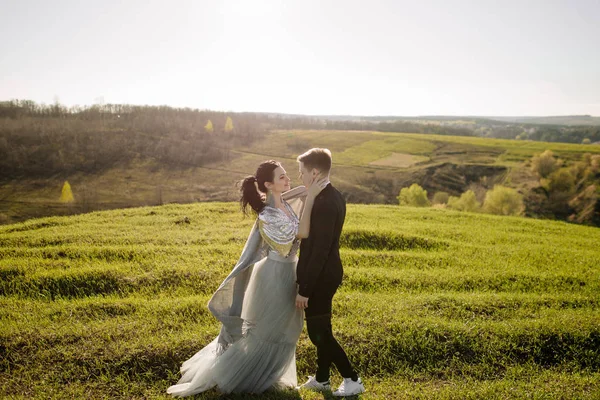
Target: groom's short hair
{"points": [[316, 158]]}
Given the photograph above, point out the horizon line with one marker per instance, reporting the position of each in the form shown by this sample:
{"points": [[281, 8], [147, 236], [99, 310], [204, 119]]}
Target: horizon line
{"points": [[486, 116]]}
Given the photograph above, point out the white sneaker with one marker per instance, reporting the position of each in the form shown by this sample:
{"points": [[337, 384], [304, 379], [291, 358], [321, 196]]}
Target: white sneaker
{"points": [[349, 388], [313, 384]]}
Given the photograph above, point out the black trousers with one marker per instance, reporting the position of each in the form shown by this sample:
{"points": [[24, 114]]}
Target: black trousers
{"points": [[318, 325]]}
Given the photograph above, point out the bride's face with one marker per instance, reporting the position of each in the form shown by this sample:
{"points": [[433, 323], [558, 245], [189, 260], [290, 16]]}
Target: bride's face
{"points": [[281, 182]]}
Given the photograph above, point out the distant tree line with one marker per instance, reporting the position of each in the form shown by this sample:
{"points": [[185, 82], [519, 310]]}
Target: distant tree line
{"points": [[41, 140], [585, 134], [566, 134], [445, 126], [44, 139], [303, 122]]}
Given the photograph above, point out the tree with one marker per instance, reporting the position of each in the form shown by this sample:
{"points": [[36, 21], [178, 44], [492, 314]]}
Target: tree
{"points": [[440, 198], [560, 188], [466, 202], [586, 141], [561, 180], [414, 196], [545, 164], [66, 195], [228, 125], [502, 200], [209, 127]]}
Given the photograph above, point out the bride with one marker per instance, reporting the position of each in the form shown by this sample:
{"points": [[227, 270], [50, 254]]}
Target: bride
{"points": [[255, 304]]}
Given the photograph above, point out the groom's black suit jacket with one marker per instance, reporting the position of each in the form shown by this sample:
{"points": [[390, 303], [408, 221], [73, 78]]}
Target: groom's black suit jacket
{"points": [[319, 264]]}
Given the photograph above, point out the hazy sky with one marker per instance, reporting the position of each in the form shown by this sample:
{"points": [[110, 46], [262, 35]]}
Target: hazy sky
{"points": [[369, 57]]}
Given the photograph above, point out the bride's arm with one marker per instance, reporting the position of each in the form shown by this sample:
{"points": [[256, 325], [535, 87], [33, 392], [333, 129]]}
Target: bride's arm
{"points": [[298, 191], [304, 227], [312, 192]]}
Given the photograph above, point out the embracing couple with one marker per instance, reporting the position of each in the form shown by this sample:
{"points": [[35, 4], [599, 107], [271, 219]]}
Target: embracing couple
{"points": [[262, 303]]}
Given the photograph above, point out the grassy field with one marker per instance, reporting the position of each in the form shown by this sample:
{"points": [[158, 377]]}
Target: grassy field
{"points": [[435, 304], [356, 155]]}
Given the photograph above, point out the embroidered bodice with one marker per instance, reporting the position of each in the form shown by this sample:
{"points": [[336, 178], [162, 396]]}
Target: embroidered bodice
{"points": [[279, 230]]}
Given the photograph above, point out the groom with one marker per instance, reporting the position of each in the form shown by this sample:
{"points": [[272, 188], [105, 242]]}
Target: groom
{"points": [[319, 273]]}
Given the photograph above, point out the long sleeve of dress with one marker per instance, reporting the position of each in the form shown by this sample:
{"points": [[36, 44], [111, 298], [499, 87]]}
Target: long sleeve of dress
{"points": [[277, 229]]}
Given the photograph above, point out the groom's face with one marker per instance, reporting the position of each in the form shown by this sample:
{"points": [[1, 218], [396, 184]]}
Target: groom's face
{"points": [[306, 175]]}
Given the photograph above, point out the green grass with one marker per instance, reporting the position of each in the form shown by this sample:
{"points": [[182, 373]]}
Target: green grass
{"points": [[374, 150], [435, 303]]}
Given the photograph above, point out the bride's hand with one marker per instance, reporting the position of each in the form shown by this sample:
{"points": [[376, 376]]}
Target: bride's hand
{"points": [[316, 187]]}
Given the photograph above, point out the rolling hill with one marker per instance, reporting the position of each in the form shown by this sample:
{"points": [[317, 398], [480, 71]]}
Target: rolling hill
{"points": [[435, 304]]}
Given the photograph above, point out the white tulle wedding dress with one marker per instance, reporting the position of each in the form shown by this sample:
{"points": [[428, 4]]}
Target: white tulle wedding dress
{"points": [[256, 348]]}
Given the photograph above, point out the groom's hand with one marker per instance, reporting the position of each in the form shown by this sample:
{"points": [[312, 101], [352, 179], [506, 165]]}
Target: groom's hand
{"points": [[301, 302]]}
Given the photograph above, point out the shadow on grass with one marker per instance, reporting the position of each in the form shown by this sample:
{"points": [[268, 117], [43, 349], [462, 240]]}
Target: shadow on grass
{"points": [[268, 395], [375, 240], [271, 395]]}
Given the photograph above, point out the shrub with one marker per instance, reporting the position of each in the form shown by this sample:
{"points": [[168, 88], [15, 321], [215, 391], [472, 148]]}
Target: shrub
{"points": [[66, 195], [466, 202], [545, 164], [561, 180], [595, 163], [441, 198], [502, 200], [414, 196]]}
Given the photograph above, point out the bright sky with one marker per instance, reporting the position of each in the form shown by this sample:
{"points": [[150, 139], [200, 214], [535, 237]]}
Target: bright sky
{"points": [[371, 57]]}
